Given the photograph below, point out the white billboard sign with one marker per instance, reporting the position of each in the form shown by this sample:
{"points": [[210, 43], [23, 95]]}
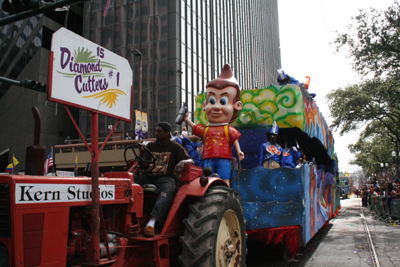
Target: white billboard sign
{"points": [[85, 75]]}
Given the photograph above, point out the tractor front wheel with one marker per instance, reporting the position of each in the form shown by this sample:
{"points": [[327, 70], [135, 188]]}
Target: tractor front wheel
{"points": [[215, 231]]}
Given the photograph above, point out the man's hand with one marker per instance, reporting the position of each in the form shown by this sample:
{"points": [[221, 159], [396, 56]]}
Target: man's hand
{"points": [[181, 164], [140, 146], [178, 168]]}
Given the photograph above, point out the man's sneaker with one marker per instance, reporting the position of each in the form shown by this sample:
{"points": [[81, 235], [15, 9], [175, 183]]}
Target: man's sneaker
{"points": [[149, 231]]}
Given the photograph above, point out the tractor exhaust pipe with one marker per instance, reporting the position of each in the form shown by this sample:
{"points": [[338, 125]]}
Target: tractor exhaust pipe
{"points": [[35, 154]]}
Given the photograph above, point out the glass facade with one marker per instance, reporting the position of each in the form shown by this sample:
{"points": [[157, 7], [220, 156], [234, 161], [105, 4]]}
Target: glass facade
{"points": [[17, 52], [20, 40], [242, 33], [184, 44]]}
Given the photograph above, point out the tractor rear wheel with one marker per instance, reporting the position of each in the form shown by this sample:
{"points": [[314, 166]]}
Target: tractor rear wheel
{"points": [[215, 231]]}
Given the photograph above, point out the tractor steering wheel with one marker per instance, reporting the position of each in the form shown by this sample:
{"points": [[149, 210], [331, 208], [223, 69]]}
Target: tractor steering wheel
{"points": [[143, 163]]}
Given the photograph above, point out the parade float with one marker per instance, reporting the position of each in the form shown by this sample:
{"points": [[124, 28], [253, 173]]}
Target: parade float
{"points": [[284, 205]]}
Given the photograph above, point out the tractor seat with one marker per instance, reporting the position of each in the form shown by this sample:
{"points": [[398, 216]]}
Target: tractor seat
{"points": [[149, 188]]}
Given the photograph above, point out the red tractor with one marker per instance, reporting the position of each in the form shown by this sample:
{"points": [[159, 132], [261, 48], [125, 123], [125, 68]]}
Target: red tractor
{"points": [[46, 221]]}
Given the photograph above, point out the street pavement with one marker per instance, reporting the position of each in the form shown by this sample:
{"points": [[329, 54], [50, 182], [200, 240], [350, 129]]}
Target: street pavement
{"points": [[346, 242]]}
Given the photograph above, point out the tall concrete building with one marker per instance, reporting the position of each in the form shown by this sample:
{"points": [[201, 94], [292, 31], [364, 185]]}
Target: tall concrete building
{"points": [[183, 45]]}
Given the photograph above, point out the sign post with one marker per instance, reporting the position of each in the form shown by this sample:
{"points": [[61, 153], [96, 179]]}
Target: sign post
{"points": [[85, 75]]}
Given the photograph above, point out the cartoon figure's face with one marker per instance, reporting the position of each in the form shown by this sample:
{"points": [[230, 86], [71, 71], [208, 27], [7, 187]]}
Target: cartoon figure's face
{"points": [[220, 105]]}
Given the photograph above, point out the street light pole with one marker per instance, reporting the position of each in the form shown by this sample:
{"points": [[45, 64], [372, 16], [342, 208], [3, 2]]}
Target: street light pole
{"points": [[396, 159], [387, 168], [137, 53]]}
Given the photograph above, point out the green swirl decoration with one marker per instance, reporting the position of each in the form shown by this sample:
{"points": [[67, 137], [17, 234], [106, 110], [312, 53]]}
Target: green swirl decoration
{"points": [[261, 107]]}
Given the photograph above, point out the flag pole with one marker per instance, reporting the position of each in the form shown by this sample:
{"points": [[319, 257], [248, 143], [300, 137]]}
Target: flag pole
{"points": [[52, 166], [12, 172]]}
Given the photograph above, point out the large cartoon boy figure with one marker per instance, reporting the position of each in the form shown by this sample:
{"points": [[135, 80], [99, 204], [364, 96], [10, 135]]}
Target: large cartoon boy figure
{"points": [[222, 107]]}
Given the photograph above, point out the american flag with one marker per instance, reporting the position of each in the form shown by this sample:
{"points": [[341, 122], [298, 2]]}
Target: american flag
{"points": [[49, 162]]}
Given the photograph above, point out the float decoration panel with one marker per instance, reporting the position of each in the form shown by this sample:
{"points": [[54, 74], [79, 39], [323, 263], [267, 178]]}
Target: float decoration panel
{"points": [[280, 197], [289, 105]]}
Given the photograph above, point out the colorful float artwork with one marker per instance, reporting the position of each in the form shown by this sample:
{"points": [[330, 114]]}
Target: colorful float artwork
{"points": [[289, 105], [284, 204]]}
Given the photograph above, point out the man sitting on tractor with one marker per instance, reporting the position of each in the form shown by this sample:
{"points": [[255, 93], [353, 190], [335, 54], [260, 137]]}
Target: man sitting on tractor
{"points": [[170, 158]]}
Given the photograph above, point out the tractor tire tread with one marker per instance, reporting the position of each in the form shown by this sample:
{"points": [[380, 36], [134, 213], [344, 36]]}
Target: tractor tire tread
{"points": [[202, 225]]}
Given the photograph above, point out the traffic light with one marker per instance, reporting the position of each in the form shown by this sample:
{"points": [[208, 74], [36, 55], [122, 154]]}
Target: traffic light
{"points": [[31, 4], [17, 6], [34, 85], [6, 7]]}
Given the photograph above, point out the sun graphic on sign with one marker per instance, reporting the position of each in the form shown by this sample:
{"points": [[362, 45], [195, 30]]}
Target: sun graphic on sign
{"points": [[108, 97]]}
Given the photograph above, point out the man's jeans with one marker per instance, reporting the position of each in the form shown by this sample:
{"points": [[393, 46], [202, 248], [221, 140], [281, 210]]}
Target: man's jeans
{"points": [[165, 194]]}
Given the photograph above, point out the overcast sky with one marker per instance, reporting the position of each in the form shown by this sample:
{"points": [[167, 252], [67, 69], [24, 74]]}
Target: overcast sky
{"points": [[307, 29]]}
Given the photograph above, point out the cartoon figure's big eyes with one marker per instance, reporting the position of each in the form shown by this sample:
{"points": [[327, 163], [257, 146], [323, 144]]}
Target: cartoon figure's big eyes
{"points": [[212, 100], [223, 100]]}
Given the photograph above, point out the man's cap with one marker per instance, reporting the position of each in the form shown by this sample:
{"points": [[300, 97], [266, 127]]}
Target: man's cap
{"points": [[274, 128], [165, 125]]}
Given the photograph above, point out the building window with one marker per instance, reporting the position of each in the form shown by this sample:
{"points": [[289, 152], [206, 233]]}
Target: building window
{"points": [[161, 7], [161, 50], [161, 97], [107, 37], [133, 36], [161, 27], [147, 8], [147, 30], [161, 73]]}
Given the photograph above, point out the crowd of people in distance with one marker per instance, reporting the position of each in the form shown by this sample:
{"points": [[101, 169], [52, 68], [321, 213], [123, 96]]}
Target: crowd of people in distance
{"points": [[385, 191], [388, 189]]}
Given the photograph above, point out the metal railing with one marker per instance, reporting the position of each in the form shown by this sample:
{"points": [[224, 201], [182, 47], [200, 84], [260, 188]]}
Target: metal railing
{"points": [[380, 207], [80, 147], [76, 145]]}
